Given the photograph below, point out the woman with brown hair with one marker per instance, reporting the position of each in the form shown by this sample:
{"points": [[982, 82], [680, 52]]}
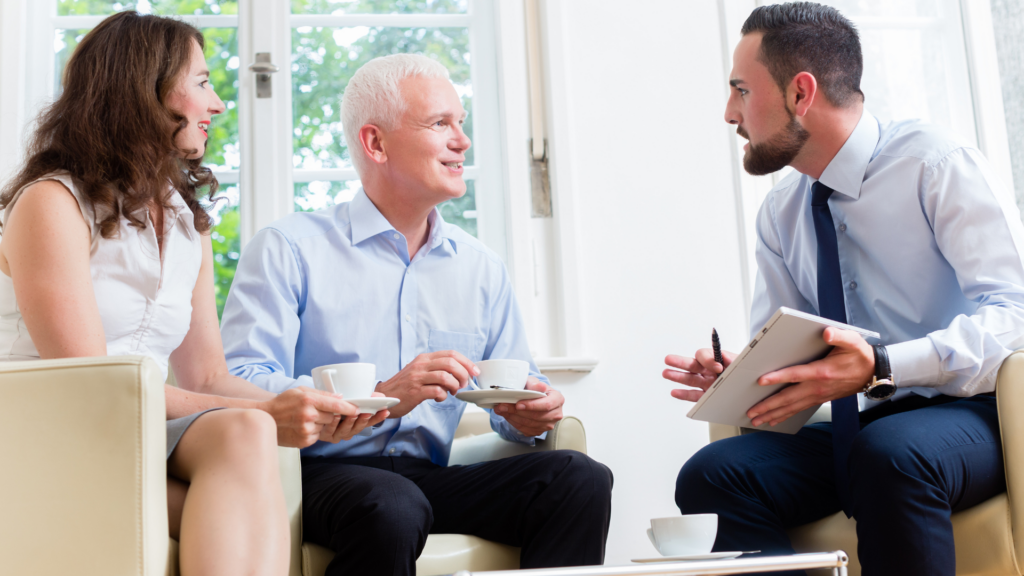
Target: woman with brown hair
{"points": [[106, 250]]}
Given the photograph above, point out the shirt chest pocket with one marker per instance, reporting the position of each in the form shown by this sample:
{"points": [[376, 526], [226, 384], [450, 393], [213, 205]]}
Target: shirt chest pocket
{"points": [[469, 344]]}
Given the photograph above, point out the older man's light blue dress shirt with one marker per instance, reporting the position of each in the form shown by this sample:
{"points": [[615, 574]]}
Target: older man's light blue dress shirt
{"points": [[930, 247], [338, 286]]}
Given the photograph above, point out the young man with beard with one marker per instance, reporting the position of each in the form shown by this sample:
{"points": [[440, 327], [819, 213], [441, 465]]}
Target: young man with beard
{"points": [[896, 228], [383, 279]]}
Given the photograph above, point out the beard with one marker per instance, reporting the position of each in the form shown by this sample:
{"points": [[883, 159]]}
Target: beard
{"points": [[778, 152]]}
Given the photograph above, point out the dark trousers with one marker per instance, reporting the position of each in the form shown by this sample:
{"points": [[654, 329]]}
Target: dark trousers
{"points": [[914, 462], [375, 513]]}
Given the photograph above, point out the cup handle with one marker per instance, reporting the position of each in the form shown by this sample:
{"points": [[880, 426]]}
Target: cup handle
{"points": [[650, 535], [327, 380]]}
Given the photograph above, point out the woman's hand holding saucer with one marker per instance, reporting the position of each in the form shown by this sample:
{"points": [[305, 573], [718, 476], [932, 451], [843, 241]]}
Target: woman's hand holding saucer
{"points": [[345, 427], [302, 412]]}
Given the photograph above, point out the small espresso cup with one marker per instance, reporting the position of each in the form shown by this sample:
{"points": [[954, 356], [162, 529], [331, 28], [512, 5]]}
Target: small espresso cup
{"points": [[354, 380], [687, 535], [503, 374]]}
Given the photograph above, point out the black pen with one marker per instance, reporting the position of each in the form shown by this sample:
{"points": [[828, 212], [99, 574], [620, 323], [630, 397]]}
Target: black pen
{"points": [[717, 347]]}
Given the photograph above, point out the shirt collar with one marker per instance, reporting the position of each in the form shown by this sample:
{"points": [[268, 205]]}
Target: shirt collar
{"points": [[845, 173], [177, 210], [367, 222]]}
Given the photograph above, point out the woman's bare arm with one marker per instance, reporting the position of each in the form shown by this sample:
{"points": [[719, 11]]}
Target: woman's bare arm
{"points": [[303, 415], [46, 244]]}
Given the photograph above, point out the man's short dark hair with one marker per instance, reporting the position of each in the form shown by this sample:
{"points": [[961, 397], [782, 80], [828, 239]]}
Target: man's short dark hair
{"points": [[808, 37]]}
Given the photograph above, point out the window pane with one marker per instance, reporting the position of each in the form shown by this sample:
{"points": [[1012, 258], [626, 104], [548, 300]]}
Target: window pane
{"points": [[379, 6], [323, 61], [227, 244], [101, 7], [312, 196], [1008, 20], [222, 59], [64, 45], [222, 150], [929, 79], [462, 211]]}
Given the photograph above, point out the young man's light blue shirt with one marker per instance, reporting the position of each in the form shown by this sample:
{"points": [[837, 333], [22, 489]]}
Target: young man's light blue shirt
{"points": [[930, 247], [338, 286]]}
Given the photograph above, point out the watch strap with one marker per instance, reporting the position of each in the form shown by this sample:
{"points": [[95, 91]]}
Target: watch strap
{"points": [[882, 369]]}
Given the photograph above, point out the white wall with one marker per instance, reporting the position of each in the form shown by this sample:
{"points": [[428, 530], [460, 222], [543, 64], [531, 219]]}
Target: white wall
{"points": [[658, 255]]}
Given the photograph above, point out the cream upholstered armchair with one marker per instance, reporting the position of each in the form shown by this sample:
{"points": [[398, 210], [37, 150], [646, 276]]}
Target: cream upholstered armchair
{"points": [[990, 536], [449, 553], [83, 487]]}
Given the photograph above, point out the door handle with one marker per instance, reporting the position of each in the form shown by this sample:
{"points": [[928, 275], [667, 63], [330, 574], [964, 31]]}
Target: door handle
{"points": [[263, 68]]}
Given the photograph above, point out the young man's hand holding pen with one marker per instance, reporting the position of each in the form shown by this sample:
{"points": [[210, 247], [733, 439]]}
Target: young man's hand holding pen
{"points": [[699, 372]]}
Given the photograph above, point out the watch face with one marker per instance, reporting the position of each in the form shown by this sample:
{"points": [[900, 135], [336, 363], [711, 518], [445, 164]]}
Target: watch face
{"points": [[881, 391]]}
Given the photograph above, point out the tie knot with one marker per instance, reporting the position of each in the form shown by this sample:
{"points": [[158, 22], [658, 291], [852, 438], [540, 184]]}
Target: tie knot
{"points": [[820, 194]]}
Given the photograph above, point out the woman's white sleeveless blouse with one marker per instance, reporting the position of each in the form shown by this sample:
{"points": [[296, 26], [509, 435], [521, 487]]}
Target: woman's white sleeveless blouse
{"points": [[145, 304]]}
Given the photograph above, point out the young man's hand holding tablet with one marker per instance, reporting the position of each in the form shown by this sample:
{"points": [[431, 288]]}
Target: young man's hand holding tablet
{"points": [[820, 360]]}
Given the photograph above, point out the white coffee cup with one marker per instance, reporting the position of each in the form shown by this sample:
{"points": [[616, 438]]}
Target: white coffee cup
{"points": [[503, 373], [687, 535], [353, 380]]}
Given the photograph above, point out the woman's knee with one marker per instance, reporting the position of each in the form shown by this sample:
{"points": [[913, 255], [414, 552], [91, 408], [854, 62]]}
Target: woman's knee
{"points": [[244, 440]]}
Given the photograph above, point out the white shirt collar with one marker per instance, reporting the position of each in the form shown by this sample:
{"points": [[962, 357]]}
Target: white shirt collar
{"points": [[845, 173]]}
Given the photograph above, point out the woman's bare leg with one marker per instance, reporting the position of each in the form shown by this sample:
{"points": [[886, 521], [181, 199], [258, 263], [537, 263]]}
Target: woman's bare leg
{"points": [[233, 520], [176, 492]]}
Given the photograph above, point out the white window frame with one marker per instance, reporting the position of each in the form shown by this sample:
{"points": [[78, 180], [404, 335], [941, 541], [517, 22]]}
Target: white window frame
{"points": [[270, 119], [543, 253], [266, 175]]}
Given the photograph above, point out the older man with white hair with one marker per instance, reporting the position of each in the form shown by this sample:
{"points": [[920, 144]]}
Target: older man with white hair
{"points": [[384, 279]]}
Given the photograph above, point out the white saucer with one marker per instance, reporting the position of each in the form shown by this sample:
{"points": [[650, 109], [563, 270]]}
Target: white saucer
{"points": [[372, 405], [710, 556], [488, 398]]}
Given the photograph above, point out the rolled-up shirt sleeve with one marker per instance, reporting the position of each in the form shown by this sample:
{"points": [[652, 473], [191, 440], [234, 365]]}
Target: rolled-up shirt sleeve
{"points": [[507, 339], [978, 229], [260, 324]]}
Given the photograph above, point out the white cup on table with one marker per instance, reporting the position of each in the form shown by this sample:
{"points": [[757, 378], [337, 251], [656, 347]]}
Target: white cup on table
{"points": [[689, 535]]}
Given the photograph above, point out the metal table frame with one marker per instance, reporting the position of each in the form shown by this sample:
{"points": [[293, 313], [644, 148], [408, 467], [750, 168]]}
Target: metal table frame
{"points": [[837, 561]]}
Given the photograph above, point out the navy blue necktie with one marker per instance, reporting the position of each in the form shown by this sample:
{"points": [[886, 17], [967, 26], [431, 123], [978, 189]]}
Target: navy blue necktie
{"points": [[832, 305]]}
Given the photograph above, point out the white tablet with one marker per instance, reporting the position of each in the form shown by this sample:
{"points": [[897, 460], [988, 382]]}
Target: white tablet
{"points": [[789, 338]]}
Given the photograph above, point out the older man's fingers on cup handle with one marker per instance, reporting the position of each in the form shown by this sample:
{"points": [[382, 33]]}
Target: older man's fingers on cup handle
{"points": [[453, 367], [442, 379], [467, 364]]}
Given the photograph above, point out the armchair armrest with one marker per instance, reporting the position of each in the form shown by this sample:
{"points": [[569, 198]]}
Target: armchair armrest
{"points": [[1010, 402], [84, 458], [475, 443], [290, 468]]}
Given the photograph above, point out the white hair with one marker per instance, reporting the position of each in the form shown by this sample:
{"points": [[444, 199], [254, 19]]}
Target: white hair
{"points": [[373, 96]]}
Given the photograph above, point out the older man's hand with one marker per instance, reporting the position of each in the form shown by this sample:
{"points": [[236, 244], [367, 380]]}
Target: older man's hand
{"points": [[302, 412], [534, 417], [429, 376]]}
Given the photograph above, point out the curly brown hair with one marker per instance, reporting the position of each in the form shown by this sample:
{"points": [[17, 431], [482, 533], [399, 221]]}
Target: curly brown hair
{"points": [[110, 127]]}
